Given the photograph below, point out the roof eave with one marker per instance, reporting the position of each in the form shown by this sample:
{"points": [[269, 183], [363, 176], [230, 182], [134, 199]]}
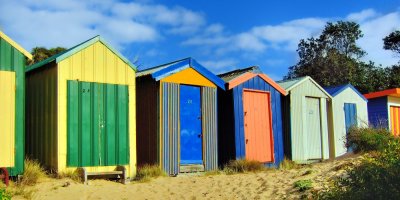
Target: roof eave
{"points": [[16, 45]]}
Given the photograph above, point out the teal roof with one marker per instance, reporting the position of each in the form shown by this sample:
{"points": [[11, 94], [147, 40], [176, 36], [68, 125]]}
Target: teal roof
{"points": [[69, 52], [286, 84]]}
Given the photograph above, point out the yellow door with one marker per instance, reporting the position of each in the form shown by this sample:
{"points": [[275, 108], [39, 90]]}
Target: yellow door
{"points": [[7, 118]]}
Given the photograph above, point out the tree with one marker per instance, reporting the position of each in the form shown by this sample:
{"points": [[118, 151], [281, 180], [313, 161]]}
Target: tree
{"points": [[41, 53], [392, 42], [333, 59]]}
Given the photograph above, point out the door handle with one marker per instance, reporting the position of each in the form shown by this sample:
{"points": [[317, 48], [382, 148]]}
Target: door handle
{"points": [[200, 135], [247, 140]]}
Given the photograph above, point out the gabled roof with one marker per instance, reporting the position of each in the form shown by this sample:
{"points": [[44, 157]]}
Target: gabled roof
{"points": [[293, 83], [228, 76], [335, 90], [69, 52], [395, 92], [162, 71], [237, 77], [15, 45]]}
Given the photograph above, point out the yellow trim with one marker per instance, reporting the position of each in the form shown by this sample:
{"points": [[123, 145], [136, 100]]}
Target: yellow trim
{"points": [[189, 76], [7, 119], [96, 63], [15, 45]]}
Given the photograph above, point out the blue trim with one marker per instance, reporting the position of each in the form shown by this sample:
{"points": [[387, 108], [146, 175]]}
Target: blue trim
{"points": [[172, 69], [212, 77], [184, 64], [333, 91]]}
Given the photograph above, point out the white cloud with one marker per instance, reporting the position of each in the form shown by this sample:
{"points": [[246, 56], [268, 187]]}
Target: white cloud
{"points": [[374, 31], [361, 16], [219, 66], [65, 23], [285, 36]]}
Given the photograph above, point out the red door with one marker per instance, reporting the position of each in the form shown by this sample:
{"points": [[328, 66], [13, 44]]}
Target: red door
{"points": [[257, 126]]}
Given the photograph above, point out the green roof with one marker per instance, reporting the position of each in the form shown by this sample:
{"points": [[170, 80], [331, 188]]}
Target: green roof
{"points": [[69, 52], [286, 84]]}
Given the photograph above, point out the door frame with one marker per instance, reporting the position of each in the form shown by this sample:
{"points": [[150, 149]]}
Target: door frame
{"points": [[305, 127], [179, 125], [270, 120], [389, 104]]}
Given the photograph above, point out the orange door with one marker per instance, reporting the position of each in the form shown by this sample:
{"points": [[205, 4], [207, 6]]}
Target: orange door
{"points": [[395, 120], [257, 126]]}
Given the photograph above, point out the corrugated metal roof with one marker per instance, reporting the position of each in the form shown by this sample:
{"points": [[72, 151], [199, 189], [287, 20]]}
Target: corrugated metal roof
{"points": [[286, 84], [168, 69], [228, 76], [71, 51], [335, 90], [152, 70]]}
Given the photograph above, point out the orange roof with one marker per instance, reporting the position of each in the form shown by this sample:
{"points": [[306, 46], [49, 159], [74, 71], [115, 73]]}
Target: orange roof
{"points": [[390, 92], [243, 78]]}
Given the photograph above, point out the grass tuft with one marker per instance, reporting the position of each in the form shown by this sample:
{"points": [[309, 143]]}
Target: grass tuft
{"points": [[32, 173], [146, 172], [243, 165], [288, 165], [303, 185], [73, 175]]}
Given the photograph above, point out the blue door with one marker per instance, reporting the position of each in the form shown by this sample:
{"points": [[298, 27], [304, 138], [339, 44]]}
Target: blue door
{"points": [[190, 123], [350, 117]]}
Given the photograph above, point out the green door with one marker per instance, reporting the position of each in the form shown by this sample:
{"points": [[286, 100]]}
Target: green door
{"points": [[98, 131]]}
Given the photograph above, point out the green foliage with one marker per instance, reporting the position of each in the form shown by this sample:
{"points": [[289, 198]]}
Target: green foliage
{"points": [[392, 42], [41, 53], [377, 177], [333, 59], [368, 139], [303, 185], [4, 195], [146, 172], [242, 166]]}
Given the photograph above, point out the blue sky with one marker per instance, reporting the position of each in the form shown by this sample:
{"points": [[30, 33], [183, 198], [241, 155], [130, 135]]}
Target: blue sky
{"points": [[222, 35]]}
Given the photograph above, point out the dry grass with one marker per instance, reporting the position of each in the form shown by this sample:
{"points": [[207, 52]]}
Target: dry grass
{"points": [[242, 166], [146, 172], [212, 173], [73, 175], [32, 173], [287, 164]]}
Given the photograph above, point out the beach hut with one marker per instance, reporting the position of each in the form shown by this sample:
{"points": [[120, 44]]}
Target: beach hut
{"points": [[12, 113], [384, 109], [348, 108], [250, 118], [177, 127], [81, 111], [305, 120]]}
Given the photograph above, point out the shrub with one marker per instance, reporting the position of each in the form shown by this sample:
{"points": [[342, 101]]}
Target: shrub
{"points": [[368, 139], [32, 172], [303, 185], [378, 177], [243, 165], [4, 195], [147, 172]]}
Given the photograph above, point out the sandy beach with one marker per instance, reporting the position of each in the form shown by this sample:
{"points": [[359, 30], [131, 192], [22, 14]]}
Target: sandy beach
{"points": [[269, 184]]}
